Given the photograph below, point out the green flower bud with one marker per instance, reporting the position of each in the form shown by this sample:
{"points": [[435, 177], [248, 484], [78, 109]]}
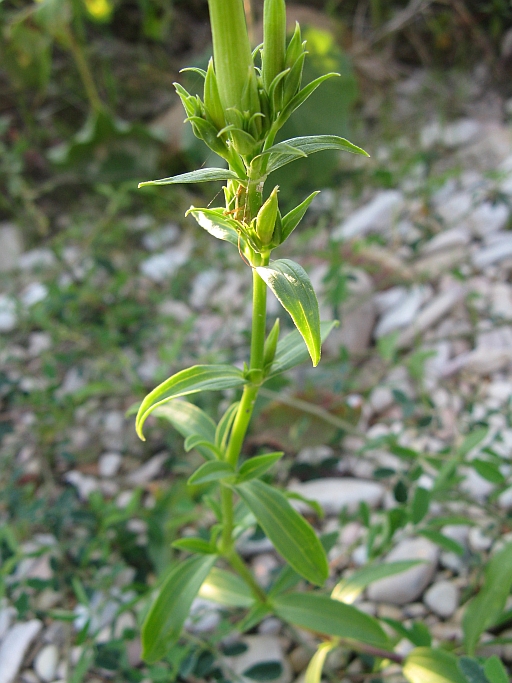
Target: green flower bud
{"points": [[212, 103], [274, 40], [266, 218]]}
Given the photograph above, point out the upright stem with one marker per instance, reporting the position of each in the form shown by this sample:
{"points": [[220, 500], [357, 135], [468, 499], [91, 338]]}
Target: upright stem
{"points": [[241, 423], [83, 69]]}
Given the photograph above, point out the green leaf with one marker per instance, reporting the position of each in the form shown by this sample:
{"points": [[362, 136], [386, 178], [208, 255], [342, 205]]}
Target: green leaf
{"points": [[425, 665], [189, 381], [254, 616], [292, 351], [316, 665], [264, 671], [255, 467], [218, 224], [444, 541], [472, 440], [187, 419], [194, 545], [322, 614], [347, 590], [472, 670], [495, 671], [226, 589], [294, 217], [488, 470], [487, 606], [284, 152], [420, 504], [291, 535], [197, 441], [163, 624], [301, 97], [211, 471], [202, 175], [313, 504], [224, 426], [291, 285]]}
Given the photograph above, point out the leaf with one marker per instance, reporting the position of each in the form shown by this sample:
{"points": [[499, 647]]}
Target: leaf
{"points": [[255, 467], [294, 217], [292, 286], [347, 590], [425, 665], [218, 224], [486, 607], [420, 504], [316, 665], [322, 614], [284, 152], [472, 440], [292, 537], [488, 470], [301, 97], [292, 351], [189, 420], [211, 471], [444, 541], [495, 671], [194, 545], [202, 175], [313, 504], [226, 589], [196, 441], [224, 426], [472, 670], [264, 671], [163, 624], [254, 616], [189, 381]]}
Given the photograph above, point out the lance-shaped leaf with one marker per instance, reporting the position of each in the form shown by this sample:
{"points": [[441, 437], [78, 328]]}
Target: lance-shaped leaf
{"points": [[291, 535], [198, 442], [189, 420], [322, 614], [487, 606], [301, 97], [294, 217], [292, 287], [218, 225], [163, 624], [224, 427], [316, 665], [495, 671], [194, 545], [189, 381], [425, 665], [255, 467], [226, 588], [202, 175], [211, 471], [347, 590], [284, 152], [292, 351]]}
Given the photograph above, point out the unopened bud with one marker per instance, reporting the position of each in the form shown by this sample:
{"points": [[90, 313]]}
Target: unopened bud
{"points": [[269, 350], [212, 104], [266, 218]]}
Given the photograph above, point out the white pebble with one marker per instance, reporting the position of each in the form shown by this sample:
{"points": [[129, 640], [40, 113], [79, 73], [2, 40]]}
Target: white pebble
{"points": [[45, 663]]}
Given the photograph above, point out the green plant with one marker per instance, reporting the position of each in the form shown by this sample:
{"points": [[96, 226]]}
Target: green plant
{"points": [[246, 102]]}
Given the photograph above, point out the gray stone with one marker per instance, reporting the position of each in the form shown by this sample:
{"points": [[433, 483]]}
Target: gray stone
{"points": [[161, 267], [434, 311], [403, 313], [336, 494], [7, 615], [456, 237], [478, 541], [203, 287], [11, 246], [45, 663], [33, 294], [461, 132], [488, 218], [83, 483], [260, 648], [148, 471], [109, 464], [161, 238], [409, 585], [8, 317], [37, 259], [455, 208], [14, 648], [379, 216], [494, 253], [442, 598]]}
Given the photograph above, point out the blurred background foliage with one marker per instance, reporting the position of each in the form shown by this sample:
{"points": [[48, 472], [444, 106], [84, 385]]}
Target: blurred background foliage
{"points": [[86, 92]]}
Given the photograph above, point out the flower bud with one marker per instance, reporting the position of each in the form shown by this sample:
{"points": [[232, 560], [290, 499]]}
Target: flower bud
{"points": [[212, 103], [269, 350], [266, 218], [274, 40]]}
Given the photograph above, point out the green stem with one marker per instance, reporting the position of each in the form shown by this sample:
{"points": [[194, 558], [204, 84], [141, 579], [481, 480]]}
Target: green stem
{"points": [[241, 423], [83, 69]]}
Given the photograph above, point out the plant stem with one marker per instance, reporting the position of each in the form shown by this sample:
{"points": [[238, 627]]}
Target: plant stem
{"points": [[83, 69], [241, 423]]}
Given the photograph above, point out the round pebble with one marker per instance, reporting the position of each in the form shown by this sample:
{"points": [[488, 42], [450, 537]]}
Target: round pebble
{"points": [[46, 661], [442, 598]]}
